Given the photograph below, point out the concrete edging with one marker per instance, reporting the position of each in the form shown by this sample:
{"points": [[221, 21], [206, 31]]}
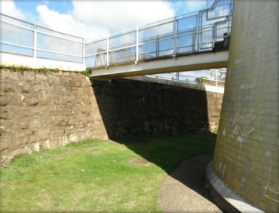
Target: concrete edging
{"points": [[225, 197]]}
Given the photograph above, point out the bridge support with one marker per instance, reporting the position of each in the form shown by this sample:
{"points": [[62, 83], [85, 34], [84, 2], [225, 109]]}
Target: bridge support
{"points": [[246, 158]]}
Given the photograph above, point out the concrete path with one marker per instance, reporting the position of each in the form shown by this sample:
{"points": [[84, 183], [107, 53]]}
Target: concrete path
{"points": [[184, 188]]}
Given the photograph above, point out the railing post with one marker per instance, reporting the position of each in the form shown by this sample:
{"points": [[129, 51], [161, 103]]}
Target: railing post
{"points": [[197, 32], [83, 51], [157, 46], [195, 35], [137, 46], [214, 34], [107, 52], [216, 78], [35, 42], [194, 39], [175, 39], [229, 20]]}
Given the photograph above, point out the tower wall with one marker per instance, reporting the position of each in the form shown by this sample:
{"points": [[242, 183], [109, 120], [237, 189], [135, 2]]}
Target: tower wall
{"points": [[246, 154]]}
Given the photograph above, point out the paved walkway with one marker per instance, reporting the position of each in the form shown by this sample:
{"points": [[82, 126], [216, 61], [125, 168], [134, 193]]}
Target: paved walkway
{"points": [[184, 189]]}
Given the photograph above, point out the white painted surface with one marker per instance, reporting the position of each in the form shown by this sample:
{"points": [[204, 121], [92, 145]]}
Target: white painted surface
{"points": [[19, 60], [214, 89]]}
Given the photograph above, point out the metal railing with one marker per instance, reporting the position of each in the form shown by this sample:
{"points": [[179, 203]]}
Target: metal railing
{"points": [[186, 34], [176, 77], [23, 38], [195, 32], [216, 78]]}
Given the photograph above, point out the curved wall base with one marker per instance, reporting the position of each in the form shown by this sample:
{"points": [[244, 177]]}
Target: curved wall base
{"points": [[224, 197]]}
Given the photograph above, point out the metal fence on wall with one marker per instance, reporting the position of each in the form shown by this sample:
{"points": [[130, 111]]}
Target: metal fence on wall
{"points": [[212, 77], [196, 32], [23, 38]]}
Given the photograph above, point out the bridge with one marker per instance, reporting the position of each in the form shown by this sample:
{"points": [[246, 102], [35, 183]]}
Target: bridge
{"points": [[195, 41], [190, 42]]}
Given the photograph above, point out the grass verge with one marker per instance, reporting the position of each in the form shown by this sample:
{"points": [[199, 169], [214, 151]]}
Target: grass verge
{"points": [[97, 176]]}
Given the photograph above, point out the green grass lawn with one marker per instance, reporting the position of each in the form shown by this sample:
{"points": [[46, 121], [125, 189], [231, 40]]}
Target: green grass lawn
{"points": [[96, 176]]}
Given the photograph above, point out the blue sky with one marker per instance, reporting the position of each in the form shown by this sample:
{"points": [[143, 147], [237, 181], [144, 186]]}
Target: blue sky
{"points": [[95, 19], [61, 6], [65, 6]]}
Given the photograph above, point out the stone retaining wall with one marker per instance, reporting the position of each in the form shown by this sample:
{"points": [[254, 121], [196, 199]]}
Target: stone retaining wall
{"points": [[131, 107], [47, 109]]}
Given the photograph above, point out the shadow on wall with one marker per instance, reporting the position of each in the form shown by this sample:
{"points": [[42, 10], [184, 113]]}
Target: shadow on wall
{"points": [[143, 109], [130, 108]]}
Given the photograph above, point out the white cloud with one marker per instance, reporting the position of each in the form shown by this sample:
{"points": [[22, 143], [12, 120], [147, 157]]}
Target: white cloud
{"points": [[97, 19], [8, 7], [67, 23], [120, 15], [193, 5], [184, 7]]}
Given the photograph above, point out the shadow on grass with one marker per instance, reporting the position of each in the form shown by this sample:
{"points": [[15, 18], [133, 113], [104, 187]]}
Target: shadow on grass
{"points": [[151, 120], [184, 157], [166, 150]]}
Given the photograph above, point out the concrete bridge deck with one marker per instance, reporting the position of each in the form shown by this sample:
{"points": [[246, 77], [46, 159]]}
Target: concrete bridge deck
{"points": [[207, 60]]}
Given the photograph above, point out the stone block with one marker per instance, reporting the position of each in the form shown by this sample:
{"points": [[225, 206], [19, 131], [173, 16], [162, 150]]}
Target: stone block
{"points": [[32, 101], [41, 78], [28, 75], [23, 87], [67, 82], [6, 142], [9, 86], [4, 100], [53, 80], [7, 74]]}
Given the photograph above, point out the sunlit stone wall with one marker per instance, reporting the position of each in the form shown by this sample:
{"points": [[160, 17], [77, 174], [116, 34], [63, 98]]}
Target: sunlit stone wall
{"points": [[40, 110]]}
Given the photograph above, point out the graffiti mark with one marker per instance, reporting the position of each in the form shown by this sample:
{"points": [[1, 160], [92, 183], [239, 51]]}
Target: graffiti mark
{"points": [[248, 86], [242, 124], [244, 119], [243, 131]]}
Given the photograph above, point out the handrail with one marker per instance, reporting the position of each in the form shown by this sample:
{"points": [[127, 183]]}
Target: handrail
{"points": [[162, 38], [187, 33], [191, 31], [63, 54]]}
